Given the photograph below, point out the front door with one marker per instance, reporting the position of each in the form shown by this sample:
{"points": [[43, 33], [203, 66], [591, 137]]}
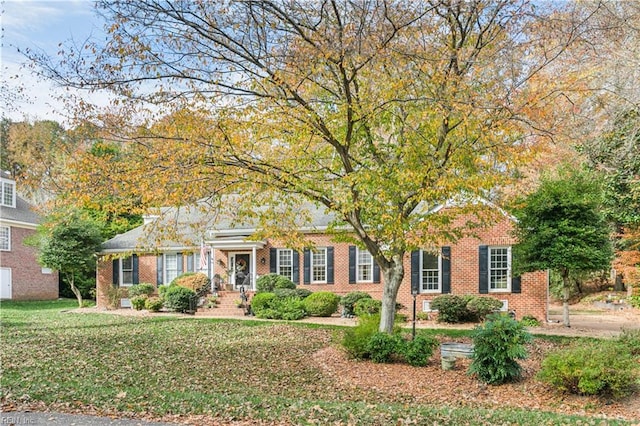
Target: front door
{"points": [[241, 264], [5, 283]]}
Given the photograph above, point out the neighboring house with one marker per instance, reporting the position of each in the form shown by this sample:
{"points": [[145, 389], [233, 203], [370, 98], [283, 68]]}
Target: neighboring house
{"points": [[21, 277], [479, 265]]}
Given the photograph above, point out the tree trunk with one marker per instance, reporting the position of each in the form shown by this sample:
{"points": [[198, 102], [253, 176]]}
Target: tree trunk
{"points": [[566, 294], [392, 280], [75, 290]]}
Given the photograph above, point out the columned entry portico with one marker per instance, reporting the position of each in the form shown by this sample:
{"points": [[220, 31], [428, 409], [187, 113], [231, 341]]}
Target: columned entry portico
{"points": [[239, 260]]}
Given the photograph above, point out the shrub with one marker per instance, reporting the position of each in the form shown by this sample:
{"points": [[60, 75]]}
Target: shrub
{"points": [[355, 340], [367, 306], [162, 289], [349, 300], [634, 301], [262, 301], [177, 298], [530, 321], [480, 307], [451, 308], [417, 352], [302, 293], [382, 346], [603, 368], [198, 282], [114, 294], [423, 316], [283, 293], [631, 339], [289, 309], [321, 304], [497, 346], [268, 283], [137, 302], [153, 304], [142, 289]]}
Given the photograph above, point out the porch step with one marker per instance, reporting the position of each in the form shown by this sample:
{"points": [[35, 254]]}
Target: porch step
{"points": [[227, 305]]}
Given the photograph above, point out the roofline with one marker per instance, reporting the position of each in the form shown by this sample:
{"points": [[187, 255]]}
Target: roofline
{"points": [[17, 223]]}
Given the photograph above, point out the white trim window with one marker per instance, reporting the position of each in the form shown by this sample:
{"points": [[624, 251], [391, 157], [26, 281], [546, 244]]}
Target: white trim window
{"points": [[499, 269], [5, 238], [170, 267], [364, 265], [430, 272], [319, 265], [284, 263], [7, 193], [126, 271]]}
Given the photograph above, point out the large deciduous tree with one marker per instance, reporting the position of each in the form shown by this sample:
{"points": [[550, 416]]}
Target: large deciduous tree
{"points": [[561, 227], [376, 110]]}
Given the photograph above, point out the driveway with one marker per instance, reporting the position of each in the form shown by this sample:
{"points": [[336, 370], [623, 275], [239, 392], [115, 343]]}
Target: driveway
{"points": [[21, 418]]}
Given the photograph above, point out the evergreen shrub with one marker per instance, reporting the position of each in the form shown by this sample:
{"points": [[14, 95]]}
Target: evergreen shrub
{"points": [[176, 298], [321, 304], [497, 347], [268, 283], [349, 300]]}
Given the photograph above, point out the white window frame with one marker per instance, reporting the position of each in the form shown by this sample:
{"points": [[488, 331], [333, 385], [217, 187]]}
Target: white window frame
{"points": [[422, 271], [319, 253], [492, 288], [426, 306], [359, 265], [3, 193], [6, 247], [280, 264], [165, 270], [122, 272]]}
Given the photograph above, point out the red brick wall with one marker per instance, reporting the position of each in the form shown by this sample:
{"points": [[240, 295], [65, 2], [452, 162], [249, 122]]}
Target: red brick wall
{"points": [[464, 272], [28, 281]]}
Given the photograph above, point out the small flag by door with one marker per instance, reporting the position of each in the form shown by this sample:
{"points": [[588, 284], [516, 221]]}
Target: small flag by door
{"points": [[203, 257]]}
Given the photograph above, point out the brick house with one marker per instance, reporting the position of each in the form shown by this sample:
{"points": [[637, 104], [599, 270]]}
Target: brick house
{"points": [[21, 277], [479, 265]]}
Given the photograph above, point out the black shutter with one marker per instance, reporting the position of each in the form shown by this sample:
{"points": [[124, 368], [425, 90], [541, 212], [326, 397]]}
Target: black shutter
{"points": [[307, 266], [376, 273], [190, 262], [160, 266], [329, 265], [116, 272], [352, 264], [446, 269], [483, 268], [415, 271], [296, 267], [180, 265], [516, 286], [273, 260], [136, 269]]}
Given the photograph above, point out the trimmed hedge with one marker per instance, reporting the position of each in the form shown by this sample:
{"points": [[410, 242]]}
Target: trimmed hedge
{"points": [[177, 298], [198, 282], [349, 300], [321, 304], [268, 283], [142, 289]]}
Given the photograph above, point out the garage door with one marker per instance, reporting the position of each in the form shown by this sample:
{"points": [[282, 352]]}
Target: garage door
{"points": [[5, 283]]}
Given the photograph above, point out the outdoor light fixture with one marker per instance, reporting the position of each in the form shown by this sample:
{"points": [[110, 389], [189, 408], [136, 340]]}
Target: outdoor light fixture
{"points": [[220, 262], [263, 261]]}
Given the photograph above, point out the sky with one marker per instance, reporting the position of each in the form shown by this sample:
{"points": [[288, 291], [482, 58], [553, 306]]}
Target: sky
{"points": [[40, 25]]}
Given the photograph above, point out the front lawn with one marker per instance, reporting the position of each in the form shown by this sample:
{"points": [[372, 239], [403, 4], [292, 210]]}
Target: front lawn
{"points": [[215, 371]]}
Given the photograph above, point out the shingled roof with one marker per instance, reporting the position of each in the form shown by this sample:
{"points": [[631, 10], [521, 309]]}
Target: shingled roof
{"points": [[22, 213]]}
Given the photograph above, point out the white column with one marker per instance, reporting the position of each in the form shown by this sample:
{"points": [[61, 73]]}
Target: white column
{"points": [[211, 268], [253, 268]]}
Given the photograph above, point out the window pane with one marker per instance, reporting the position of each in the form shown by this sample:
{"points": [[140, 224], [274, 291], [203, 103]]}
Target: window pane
{"points": [[171, 267], [499, 268], [365, 266], [7, 194], [319, 265], [285, 263], [4, 238], [430, 272]]}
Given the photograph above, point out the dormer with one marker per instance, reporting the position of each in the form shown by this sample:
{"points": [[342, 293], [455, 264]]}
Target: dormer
{"points": [[7, 192]]}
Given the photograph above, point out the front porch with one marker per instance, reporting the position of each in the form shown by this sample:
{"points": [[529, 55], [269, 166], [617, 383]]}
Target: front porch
{"points": [[236, 263]]}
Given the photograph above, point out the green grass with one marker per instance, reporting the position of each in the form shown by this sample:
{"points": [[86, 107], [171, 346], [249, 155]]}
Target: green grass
{"points": [[222, 368]]}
